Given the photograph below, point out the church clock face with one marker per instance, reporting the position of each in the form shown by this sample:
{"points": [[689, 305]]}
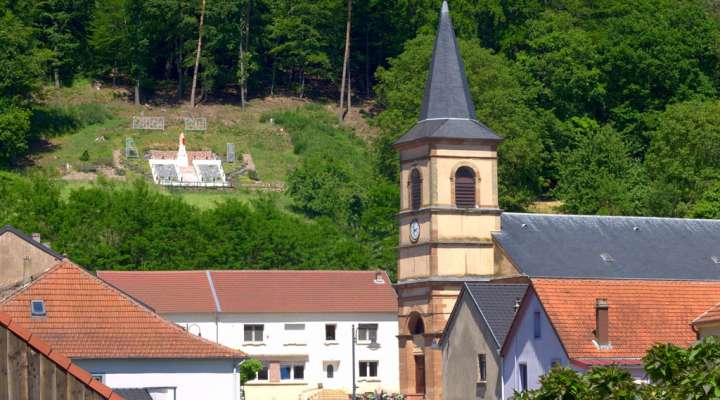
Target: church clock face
{"points": [[414, 231]]}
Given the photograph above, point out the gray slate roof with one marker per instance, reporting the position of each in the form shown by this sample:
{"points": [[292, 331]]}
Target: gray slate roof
{"points": [[447, 109], [134, 394], [496, 302], [566, 246]]}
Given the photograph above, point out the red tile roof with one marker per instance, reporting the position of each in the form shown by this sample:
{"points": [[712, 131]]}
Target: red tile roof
{"points": [[165, 291], [641, 314], [87, 318], [710, 315], [266, 291], [60, 360]]}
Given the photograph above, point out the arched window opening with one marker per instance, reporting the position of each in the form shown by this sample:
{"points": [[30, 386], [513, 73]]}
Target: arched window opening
{"points": [[416, 326], [330, 369], [415, 189], [465, 188]]}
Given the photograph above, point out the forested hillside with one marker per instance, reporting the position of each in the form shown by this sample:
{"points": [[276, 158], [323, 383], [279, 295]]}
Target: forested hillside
{"points": [[608, 106]]}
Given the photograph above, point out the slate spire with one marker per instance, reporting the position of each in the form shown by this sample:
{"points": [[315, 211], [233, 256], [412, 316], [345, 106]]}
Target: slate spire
{"points": [[447, 110], [447, 94]]}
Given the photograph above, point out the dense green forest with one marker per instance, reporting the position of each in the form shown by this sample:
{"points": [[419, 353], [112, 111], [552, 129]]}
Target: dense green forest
{"points": [[609, 106]]}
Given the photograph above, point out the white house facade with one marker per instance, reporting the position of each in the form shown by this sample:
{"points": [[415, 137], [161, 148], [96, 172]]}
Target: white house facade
{"points": [[298, 323]]}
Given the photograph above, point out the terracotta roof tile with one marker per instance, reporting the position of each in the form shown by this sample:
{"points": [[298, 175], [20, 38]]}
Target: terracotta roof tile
{"points": [[710, 315], [160, 289], [87, 318], [60, 360], [266, 291], [641, 313]]}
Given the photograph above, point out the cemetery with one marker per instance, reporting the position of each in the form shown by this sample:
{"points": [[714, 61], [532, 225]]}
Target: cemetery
{"points": [[187, 168]]}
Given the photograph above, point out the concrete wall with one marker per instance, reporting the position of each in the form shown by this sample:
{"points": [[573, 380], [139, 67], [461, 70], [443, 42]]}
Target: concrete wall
{"points": [[192, 379], [537, 353], [13, 252], [308, 347], [710, 329], [467, 337]]}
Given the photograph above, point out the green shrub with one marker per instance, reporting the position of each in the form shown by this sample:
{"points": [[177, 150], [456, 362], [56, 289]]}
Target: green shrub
{"points": [[85, 156]]}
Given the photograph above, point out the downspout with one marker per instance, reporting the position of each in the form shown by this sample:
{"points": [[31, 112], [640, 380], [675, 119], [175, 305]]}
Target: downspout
{"points": [[218, 308], [502, 378]]}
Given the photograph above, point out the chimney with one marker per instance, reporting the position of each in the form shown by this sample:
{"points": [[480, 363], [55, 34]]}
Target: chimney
{"points": [[36, 237], [379, 280], [602, 322], [27, 270]]}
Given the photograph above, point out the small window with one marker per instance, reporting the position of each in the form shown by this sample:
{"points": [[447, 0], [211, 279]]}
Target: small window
{"points": [[523, 377], [368, 369], [330, 332], [37, 308], [298, 372], [536, 325], [254, 333], [415, 189], [292, 372], [330, 371], [263, 374], [465, 188], [99, 377], [367, 333], [482, 368]]}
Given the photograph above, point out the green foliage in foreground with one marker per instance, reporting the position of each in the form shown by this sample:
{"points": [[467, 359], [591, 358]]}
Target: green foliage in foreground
{"points": [[249, 370], [674, 373], [129, 228]]}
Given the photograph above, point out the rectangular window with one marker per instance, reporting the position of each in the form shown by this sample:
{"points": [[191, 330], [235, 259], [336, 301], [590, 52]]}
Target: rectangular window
{"points": [[263, 374], [294, 327], [482, 368], [368, 369], [292, 372], [367, 332], [536, 325], [523, 377], [330, 332], [285, 372], [37, 308], [298, 372], [253, 333]]}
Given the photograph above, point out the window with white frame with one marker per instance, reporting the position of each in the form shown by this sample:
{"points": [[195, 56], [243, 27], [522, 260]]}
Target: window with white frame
{"points": [[253, 332], [367, 333], [263, 374], [330, 332], [292, 372], [368, 369]]}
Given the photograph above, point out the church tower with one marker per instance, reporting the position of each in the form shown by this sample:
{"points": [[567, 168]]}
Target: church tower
{"points": [[449, 207]]}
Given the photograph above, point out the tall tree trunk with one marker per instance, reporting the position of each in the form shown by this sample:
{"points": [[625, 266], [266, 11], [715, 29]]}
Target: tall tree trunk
{"points": [[181, 74], [56, 78], [244, 47], [367, 60], [197, 55], [272, 82], [349, 93], [137, 91], [346, 60]]}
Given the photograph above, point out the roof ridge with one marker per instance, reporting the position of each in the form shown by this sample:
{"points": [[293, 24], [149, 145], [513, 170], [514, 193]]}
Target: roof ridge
{"points": [[611, 216]]}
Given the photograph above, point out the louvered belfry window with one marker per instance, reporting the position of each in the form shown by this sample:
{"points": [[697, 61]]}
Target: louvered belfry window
{"points": [[465, 188], [415, 189]]}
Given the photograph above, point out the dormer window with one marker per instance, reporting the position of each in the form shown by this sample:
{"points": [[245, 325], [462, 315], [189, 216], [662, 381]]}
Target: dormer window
{"points": [[415, 189], [37, 308], [465, 188]]}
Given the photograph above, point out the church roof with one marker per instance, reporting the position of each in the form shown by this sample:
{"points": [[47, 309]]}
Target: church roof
{"points": [[603, 247], [447, 109]]}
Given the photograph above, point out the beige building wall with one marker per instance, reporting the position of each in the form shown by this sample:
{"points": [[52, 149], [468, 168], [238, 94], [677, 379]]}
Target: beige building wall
{"points": [[20, 260], [460, 353]]}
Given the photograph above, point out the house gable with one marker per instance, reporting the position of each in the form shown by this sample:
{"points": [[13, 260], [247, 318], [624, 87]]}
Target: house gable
{"points": [[22, 258]]}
